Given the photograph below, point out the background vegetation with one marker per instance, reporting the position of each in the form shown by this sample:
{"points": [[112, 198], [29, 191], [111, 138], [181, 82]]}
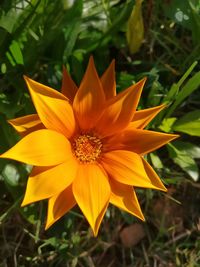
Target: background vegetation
{"points": [[36, 38]]}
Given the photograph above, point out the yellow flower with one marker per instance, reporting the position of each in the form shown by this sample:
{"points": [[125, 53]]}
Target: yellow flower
{"points": [[87, 145]]}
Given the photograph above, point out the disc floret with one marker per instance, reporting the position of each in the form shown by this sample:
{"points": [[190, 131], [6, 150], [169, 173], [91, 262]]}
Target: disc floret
{"points": [[87, 148]]}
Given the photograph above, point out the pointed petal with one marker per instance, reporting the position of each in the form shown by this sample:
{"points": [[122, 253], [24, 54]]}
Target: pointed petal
{"points": [[27, 124], [41, 148], [142, 117], [119, 112], [124, 197], [108, 81], [58, 205], [127, 168], [69, 87], [155, 179], [99, 219], [92, 192], [139, 141], [90, 98], [52, 107], [44, 182]]}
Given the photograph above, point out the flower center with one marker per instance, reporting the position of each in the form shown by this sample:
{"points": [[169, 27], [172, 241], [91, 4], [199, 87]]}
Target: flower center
{"points": [[87, 148]]}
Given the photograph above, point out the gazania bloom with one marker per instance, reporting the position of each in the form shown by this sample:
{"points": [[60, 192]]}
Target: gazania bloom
{"points": [[86, 146]]}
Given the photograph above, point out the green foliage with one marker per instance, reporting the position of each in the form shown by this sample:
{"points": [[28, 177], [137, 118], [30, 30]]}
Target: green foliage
{"points": [[187, 14], [189, 123], [36, 39], [191, 85], [184, 159]]}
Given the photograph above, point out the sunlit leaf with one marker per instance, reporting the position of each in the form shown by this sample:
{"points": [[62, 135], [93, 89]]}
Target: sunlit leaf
{"points": [[11, 175], [184, 160], [16, 52], [3, 68], [156, 161], [189, 123], [167, 124], [191, 85], [191, 149]]}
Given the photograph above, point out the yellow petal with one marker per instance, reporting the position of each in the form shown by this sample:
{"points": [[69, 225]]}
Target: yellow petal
{"points": [[119, 112], [90, 98], [139, 141], [142, 117], [58, 205], [108, 81], [41, 148], [53, 108], [69, 88], [127, 167], [155, 179], [99, 219], [27, 124], [124, 197], [44, 182], [92, 192]]}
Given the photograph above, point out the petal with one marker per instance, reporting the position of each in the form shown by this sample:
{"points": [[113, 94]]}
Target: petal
{"points": [[27, 124], [41, 148], [155, 179], [92, 192], [142, 117], [58, 205], [99, 219], [119, 112], [139, 141], [124, 197], [44, 182], [69, 88], [53, 108], [90, 98], [108, 81], [127, 167]]}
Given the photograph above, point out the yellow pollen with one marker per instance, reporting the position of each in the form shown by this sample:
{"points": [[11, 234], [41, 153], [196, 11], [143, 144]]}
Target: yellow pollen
{"points": [[87, 148]]}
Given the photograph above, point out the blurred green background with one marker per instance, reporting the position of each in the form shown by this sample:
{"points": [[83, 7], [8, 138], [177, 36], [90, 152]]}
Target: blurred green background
{"points": [[36, 39]]}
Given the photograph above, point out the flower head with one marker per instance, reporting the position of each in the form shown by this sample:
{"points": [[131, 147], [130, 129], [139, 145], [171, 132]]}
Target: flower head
{"points": [[86, 146]]}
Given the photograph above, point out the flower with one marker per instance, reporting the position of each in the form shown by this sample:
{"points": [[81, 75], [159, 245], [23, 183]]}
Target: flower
{"points": [[86, 146]]}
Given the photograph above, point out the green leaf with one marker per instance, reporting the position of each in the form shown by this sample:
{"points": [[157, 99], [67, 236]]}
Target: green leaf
{"points": [[71, 34], [171, 93], [191, 149], [189, 123], [16, 52], [167, 124], [157, 163], [8, 20], [185, 13], [190, 86], [30, 212], [11, 175], [3, 68], [75, 238], [119, 20], [181, 157], [187, 73], [155, 95]]}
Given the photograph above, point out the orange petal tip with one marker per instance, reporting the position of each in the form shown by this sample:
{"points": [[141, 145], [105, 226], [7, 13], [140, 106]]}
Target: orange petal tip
{"points": [[143, 80], [163, 189], [174, 136], [47, 226], [26, 77]]}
